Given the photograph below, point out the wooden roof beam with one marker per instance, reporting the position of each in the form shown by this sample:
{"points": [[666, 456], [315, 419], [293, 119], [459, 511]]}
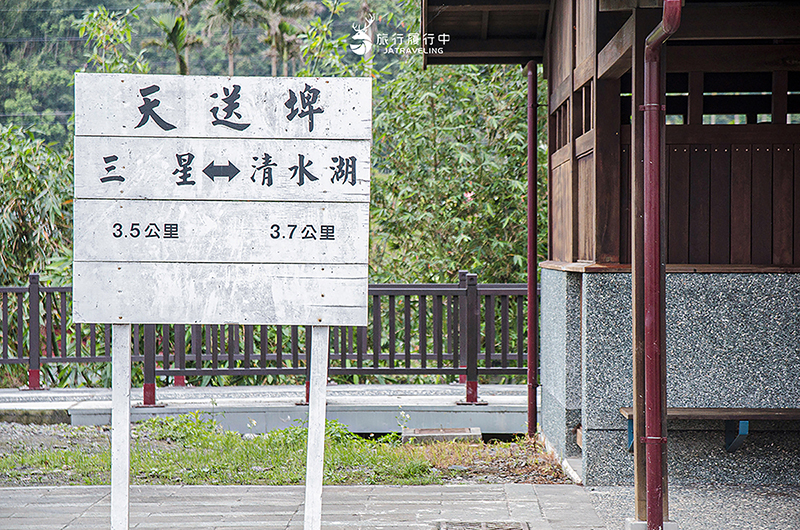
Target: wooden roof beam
{"points": [[488, 5], [733, 58], [740, 22], [492, 47], [615, 58]]}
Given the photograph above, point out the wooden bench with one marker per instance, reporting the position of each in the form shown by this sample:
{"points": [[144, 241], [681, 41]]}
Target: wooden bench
{"points": [[737, 420]]}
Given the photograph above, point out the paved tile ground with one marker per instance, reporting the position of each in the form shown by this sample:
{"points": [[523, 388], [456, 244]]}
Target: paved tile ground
{"points": [[473, 507], [491, 507], [710, 507], [468, 507]]}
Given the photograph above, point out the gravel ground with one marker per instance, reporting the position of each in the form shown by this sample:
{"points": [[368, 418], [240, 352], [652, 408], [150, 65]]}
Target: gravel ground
{"points": [[710, 507], [18, 437], [15, 437]]}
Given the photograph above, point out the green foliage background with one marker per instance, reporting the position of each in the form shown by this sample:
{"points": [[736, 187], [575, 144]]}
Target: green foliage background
{"points": [[449, 147], [450, 180], [36, 210]]}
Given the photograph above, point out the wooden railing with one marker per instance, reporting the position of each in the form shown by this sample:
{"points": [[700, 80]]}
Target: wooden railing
{"points": [[458, 330]]}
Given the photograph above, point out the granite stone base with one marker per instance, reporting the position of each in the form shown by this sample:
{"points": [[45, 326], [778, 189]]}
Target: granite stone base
{"points": [[560, 360], [733, 340], [769, 455], [559, 425]]}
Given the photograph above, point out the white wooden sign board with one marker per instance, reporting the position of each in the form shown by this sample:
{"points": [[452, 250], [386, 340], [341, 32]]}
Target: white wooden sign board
{"points": [[148, 166], [216, 200], [109, 105]]}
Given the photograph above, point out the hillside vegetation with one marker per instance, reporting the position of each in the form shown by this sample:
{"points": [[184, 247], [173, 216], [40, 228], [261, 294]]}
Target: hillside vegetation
{"points": [[449, 169]]}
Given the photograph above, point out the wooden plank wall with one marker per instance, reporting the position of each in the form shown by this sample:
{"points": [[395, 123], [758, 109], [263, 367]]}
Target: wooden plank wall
{"points": [[586, 208], [584, 31], [732, 191], [561, 213], [573, 202], [561, 48], [561, 186], [733, 203]]}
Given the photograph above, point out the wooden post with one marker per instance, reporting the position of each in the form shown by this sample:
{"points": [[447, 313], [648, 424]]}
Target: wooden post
{"points": [[316, 428], [149, 387], [120, 426], [533, 255]]}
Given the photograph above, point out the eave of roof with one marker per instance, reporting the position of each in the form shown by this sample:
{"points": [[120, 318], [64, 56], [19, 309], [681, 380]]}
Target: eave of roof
{"points": [[484, 31]]}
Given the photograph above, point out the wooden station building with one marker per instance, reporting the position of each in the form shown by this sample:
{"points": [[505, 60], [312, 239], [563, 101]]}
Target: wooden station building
{"points": [[730, 223]]}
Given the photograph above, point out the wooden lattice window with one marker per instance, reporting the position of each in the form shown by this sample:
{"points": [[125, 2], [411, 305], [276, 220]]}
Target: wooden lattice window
{"points": [[736, 98], [560, 125]]}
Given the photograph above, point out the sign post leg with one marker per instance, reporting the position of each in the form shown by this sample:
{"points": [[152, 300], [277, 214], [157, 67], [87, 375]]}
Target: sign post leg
{"points": [[120, 426], [316, 428]]}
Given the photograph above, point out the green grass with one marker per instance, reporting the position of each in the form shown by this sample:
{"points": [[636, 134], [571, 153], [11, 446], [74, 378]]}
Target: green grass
{"points": [[196, 451], [190, 449]]}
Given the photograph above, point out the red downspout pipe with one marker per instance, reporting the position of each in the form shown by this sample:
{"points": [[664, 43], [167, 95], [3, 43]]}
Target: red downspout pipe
{"points": [[654, 269], [533, 266]]}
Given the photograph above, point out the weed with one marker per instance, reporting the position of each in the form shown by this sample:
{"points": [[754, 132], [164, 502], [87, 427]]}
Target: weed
{"points": [[193, 449]]}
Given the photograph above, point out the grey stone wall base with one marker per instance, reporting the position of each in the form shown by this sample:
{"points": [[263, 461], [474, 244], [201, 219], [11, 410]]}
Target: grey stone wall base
{"points": [[559, 425], [697, 457], [573, 421], [732, 342], [767, 457], [560, 360], [553, 421], [606, 460]]}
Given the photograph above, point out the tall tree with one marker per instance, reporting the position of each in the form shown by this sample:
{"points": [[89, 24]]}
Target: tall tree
{"points": [[282, 22], [228, 14], [183, 9], [175, 39], [448, 182]]}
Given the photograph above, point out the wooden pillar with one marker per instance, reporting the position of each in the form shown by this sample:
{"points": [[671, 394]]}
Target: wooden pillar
{"points": [[315, 457], [533, 261], [663, 310], [120, 426], [607, 170], [780, 90]]}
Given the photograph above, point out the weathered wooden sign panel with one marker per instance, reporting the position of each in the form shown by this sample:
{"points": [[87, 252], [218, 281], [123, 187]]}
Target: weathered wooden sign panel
{"points": [[210, 169], [215, 200], [213, 107], [224, 293], [221, 232]]}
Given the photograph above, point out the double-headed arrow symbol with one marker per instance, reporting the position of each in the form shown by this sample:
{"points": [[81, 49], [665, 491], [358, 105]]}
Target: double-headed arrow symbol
{"points": [[213, 171]]}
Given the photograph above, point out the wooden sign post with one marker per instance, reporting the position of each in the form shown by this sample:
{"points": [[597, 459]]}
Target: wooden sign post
{"points": [[315, 454], [215, 200], [120, 425]]}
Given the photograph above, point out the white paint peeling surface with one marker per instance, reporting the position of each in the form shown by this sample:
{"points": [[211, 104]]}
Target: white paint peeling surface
{"points": [[221, 200], [109, 105], [150, 169], [221, 231], [203, 293]]}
